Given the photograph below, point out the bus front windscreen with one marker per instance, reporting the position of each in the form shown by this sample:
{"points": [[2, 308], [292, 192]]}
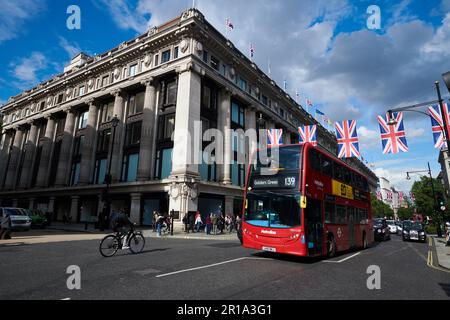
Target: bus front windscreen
{"points": [[273, 210]]}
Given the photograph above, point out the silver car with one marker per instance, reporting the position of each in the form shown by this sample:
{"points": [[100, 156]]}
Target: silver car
{"points": [[19, 219]]}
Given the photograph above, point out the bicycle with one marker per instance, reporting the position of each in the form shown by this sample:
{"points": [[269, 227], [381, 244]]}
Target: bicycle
{"points": [[113, 242]]}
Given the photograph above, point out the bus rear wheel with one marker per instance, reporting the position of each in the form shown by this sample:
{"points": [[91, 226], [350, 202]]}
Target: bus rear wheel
{"points": [[331, 246]]}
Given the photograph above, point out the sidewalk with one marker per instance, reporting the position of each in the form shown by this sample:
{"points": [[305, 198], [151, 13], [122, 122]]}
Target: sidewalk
{"points": [[443, 252], [148, 232]]}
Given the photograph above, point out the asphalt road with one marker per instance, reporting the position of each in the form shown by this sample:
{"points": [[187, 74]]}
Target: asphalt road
{"points": [[218, 270]]}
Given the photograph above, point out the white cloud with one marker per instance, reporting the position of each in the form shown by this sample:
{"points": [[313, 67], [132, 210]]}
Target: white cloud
{"points": [[368, 139], [72, 49], [397, 177], [14, 14], [26, 69], [125, 16]]}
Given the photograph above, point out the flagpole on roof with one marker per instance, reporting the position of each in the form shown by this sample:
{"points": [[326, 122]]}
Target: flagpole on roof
{"points": [[269, 69]]}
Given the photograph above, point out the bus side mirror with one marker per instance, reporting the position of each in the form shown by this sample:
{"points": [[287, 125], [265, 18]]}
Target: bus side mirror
{"points": [[303, 202]]}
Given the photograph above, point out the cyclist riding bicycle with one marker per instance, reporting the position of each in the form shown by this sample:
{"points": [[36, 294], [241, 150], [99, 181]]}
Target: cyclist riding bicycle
{"points": [[122, 224]]}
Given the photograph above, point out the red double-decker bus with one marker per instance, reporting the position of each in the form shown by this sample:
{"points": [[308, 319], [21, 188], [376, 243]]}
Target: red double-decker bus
{"points": [[308, 204]]}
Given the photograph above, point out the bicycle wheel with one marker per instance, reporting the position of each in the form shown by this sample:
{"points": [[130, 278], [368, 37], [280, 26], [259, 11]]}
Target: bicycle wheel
{"points": [[136, 243], [109, 246]]}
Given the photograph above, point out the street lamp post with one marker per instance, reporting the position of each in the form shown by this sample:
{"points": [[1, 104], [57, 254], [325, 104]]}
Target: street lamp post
{"points": [[108, 178], [435, 208]]}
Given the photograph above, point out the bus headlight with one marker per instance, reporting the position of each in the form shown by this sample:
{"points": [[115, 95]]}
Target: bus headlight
{"points": [[294, 236]]}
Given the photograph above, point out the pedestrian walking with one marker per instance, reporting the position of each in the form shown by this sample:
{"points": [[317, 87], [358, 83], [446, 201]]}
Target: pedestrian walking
{"points": [[198, 221], [208, 223], [159, 223]]}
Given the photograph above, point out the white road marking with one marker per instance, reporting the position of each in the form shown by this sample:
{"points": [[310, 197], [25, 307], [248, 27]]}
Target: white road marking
{"points": [[345, 259], [66, 299], [208, 266]]}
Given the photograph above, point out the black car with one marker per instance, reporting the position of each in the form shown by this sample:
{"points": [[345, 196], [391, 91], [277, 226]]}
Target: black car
{"points": [[381, 230], [413, 231]]}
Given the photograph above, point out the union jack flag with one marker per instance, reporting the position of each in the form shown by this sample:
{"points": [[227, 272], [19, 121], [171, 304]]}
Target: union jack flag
{"points": [[309, 103], [230, 25], [437, 124], [401, 195], [347, 138], [307, 134], [379, 195], [393, 137], [274, 137], [389, 195]]}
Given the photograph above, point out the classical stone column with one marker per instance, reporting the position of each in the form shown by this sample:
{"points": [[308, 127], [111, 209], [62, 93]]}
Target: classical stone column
{"points": [[47, 145], [11, 173], [31, 204], [287, 137], [88, 146], [75, 200], [51, 204], [62, 176], [224, 124], [229, 204], [30, 149], [116, 159], [250, 127], [7, 140], [135, 209], [187, 137], [146, 158]]}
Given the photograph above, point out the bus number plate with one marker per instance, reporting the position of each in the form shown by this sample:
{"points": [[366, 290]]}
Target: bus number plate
{"points": [[269, 249]]}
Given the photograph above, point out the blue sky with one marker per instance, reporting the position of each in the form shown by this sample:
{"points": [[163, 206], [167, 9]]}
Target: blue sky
{"points": [[322, 48]]}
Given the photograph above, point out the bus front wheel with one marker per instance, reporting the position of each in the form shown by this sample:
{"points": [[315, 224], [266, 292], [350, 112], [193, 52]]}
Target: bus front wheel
{"points": [[331, 246]]}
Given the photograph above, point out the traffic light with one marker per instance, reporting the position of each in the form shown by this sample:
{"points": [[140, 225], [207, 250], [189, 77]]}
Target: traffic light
{"points": [[441, 201]]}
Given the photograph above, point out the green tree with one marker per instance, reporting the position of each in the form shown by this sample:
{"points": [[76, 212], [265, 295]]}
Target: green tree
{"points": [[380, 209], [405, 213], [424, 199]]}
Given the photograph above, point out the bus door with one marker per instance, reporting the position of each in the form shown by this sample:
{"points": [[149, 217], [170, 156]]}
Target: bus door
{"points": [[351, 227], [314, 226]]}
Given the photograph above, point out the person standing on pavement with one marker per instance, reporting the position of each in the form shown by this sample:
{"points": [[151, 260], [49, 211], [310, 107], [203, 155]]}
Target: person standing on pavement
{"points": [[208, 224], [191, 217], [220, 224], [198, 221], [214, 223], [186, 223]]}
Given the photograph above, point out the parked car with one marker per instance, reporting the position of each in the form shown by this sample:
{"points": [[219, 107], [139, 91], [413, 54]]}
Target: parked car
{"points": [[399, 227], [392, 226], [38, 218], [414, 231], [19, 219], [381, 230]]}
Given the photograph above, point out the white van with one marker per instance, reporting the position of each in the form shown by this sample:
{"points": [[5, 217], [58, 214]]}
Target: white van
{"points": [[19, 219]]}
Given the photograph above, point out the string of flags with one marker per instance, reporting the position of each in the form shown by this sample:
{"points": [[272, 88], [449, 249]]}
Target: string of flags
{"points": [[392, 132]]}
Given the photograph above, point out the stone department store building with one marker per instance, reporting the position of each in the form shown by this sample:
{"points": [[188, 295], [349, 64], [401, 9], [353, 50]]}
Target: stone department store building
{"points": [[57, 137]]}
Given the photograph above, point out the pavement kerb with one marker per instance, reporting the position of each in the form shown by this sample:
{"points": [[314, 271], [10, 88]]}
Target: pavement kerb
{"points": [[441, 253], [151, 234]]}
